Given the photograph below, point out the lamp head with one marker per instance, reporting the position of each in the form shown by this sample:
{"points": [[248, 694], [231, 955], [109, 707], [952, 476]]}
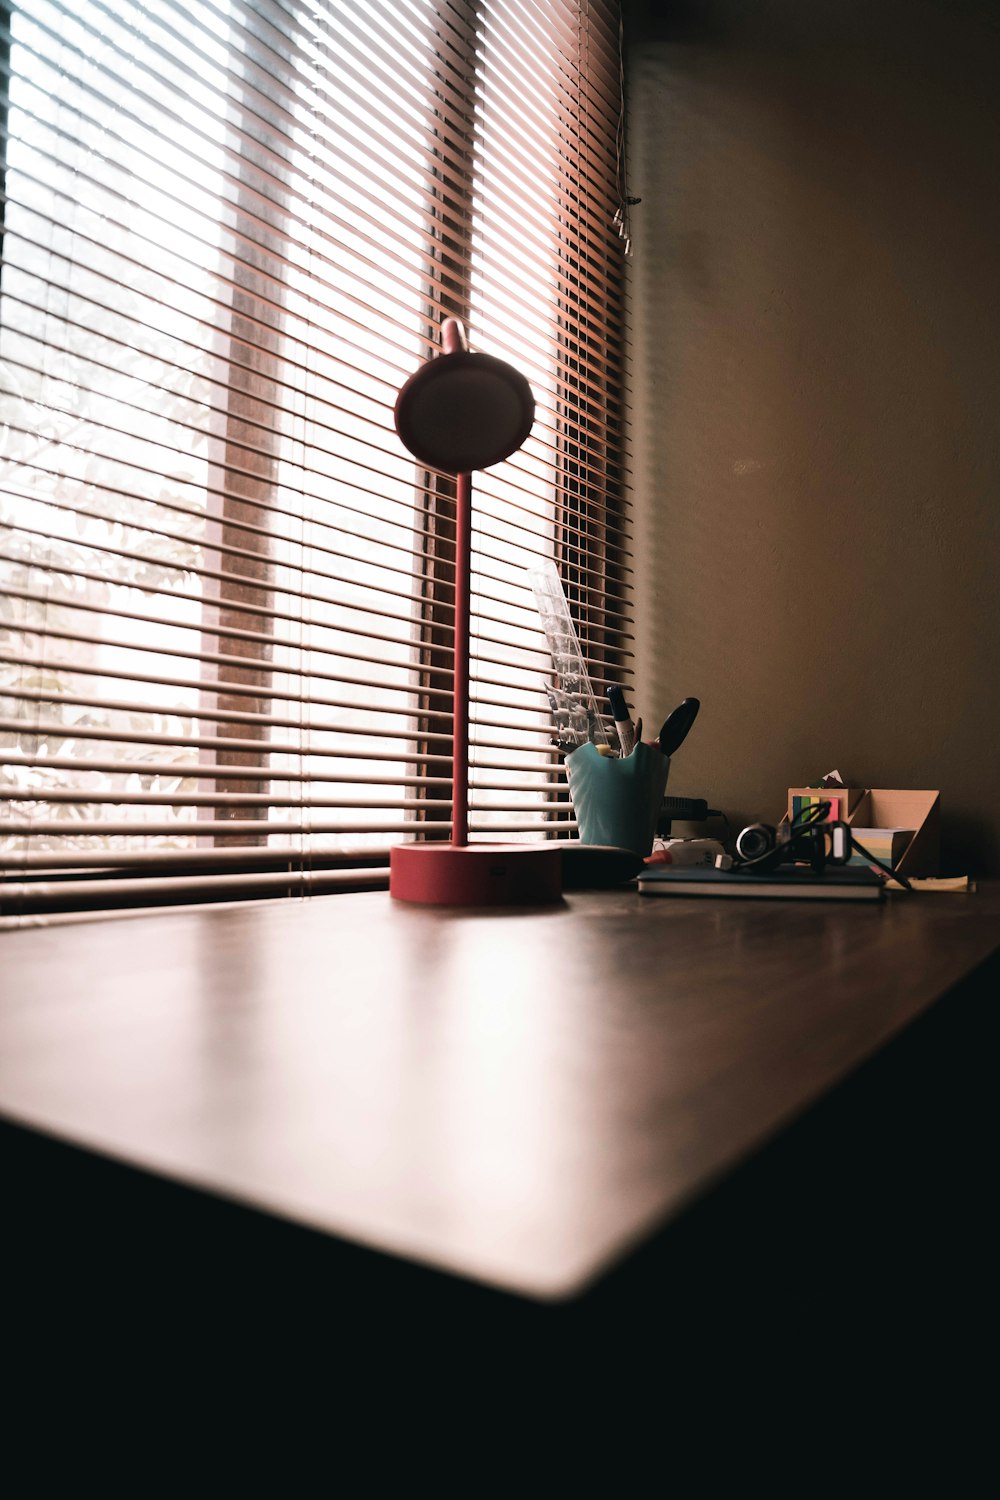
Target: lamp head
{"points": [[462, 411]]}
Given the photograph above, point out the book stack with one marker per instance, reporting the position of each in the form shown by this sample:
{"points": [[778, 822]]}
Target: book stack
{"points": [[886, 844], [840, 884]]}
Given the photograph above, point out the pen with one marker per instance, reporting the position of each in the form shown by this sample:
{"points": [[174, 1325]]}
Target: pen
{"points": [[623, 723]]}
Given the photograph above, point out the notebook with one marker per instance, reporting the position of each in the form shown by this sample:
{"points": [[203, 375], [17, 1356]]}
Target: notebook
{"points": [[839, 884]]}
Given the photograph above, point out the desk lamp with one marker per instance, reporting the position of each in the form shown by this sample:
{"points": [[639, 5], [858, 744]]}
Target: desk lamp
{"points": [[459, 412]]}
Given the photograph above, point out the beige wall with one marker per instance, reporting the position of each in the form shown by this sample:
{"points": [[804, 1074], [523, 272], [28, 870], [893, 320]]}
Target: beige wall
{"points": [[815, 382]]}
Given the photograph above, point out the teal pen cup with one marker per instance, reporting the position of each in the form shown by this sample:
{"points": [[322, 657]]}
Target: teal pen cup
{"points": [[617, 801]]}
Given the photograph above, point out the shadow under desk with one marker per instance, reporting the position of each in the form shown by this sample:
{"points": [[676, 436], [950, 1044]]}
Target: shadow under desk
{"points": [[622, 1122]]}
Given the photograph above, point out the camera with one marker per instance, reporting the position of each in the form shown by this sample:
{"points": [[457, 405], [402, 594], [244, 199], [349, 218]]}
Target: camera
{"points": [[755, 841]]}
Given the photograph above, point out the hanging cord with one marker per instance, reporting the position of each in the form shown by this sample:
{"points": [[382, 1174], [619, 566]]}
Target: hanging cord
{"points": [[623, 213]]}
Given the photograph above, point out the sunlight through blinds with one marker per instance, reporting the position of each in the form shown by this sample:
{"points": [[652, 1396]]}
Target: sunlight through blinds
{"points": [[231, 231]]}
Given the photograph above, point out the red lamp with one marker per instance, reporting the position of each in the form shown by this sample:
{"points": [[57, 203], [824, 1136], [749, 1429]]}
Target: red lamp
{"points": [[459, 412]]}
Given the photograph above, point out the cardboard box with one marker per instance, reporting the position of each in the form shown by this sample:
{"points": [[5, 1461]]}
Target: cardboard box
{"points": [[882, 807], [921, 811]]}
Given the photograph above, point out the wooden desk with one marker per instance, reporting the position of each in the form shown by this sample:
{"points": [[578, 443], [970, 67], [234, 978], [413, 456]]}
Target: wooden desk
{"points": [[519, 1098]]}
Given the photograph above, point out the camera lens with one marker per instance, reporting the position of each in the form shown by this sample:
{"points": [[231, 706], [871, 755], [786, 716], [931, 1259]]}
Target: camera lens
{"points": [[754, 841]]}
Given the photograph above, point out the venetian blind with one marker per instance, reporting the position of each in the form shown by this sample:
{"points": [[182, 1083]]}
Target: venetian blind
{"points": [[232, 229]]}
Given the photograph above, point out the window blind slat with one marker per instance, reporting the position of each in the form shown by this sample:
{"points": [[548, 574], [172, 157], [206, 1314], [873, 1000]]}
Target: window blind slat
{"points": [[20, 900], [244, 606], [538, 658], [202, 827], [304, 726], [246, 799], [272, 856], [211, 687], [233, 743], [45, 630], [218, 743], [311, 701], [215, 771]]}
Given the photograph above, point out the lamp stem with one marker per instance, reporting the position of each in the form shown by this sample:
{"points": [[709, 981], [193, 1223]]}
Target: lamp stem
{"points": [[453, 340], [460, 715]]}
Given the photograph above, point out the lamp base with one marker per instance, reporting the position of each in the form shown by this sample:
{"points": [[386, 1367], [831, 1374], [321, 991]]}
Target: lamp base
{"points": [[476, 875]]}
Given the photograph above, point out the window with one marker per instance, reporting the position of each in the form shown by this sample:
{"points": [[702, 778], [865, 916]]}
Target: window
{"points": [[232, 229]]}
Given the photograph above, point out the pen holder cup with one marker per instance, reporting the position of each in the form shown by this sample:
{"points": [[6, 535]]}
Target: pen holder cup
{"points": [[617, 801]]}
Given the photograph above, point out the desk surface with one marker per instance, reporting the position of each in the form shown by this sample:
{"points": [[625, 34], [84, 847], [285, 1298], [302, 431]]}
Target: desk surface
{"points": [[519, 1097]]}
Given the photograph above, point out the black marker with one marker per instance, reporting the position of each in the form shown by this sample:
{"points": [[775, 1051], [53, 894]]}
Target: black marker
{"points": [[623, 721]]}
